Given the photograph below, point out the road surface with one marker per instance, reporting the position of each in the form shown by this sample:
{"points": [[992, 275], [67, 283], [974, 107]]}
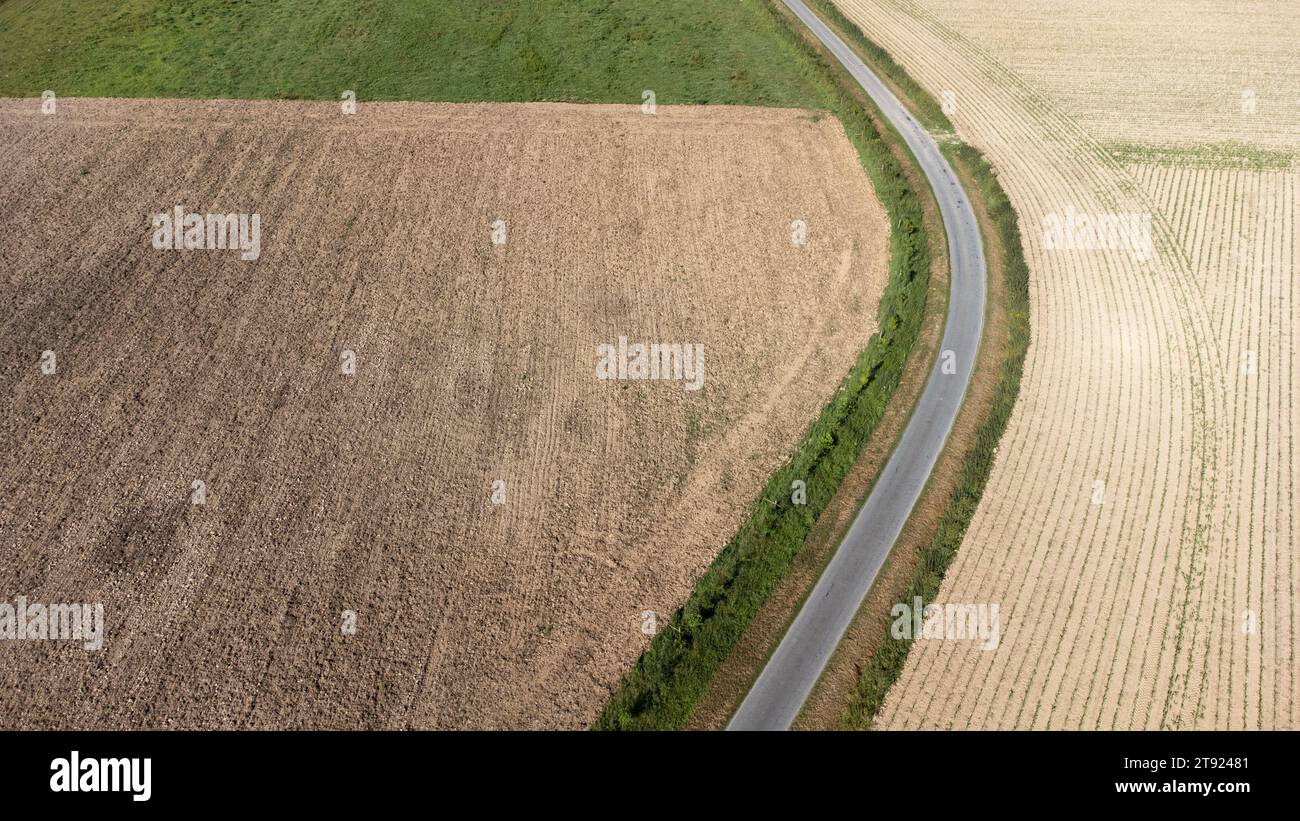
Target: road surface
{"points": [[794, 668]]}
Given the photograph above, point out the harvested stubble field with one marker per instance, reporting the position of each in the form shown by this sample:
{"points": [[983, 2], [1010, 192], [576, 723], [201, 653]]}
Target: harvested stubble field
{"points": [[372, 492], [1138, 529]]}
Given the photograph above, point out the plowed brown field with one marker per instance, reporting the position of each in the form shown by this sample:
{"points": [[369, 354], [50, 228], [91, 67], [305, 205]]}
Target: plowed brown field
{"points": [[1139, 527], [372, 492]]}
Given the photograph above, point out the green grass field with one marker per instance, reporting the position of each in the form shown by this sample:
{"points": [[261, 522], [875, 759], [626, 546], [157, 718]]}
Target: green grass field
{"points": [[687, 51]]}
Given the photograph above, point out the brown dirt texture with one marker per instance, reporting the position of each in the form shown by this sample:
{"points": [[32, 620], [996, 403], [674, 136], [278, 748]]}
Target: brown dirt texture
{"points": [[1138, 531], [328, 493]]}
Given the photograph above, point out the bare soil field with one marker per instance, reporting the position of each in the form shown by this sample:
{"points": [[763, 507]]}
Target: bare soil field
{"points": [[1138, 530], [491, 518]]}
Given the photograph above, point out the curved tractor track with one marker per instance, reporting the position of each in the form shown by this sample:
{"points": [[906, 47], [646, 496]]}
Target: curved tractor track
{"points": [[793, 670]]}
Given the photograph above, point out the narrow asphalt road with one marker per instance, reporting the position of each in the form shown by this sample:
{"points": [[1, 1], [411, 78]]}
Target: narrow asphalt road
{"points": [[793, 670]]}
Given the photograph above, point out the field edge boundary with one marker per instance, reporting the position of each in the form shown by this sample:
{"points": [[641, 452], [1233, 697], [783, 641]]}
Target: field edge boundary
{"points": [[670, 677]]}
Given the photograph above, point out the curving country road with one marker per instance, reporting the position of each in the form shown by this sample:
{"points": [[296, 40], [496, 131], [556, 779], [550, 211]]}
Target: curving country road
{"points": [[794, 668]]}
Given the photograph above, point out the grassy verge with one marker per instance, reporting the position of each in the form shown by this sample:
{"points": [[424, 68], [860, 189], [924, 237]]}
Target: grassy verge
{"points": [[670, 678], [742, 666], [925, 108], [667, 682], [882, 669]]}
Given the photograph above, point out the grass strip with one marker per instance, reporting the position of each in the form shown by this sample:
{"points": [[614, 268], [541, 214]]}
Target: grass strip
{"points": [[671, 676], [883, 668]]}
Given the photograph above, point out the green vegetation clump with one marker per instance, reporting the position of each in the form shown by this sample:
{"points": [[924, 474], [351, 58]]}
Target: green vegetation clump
{"points": [[1202, 155]]}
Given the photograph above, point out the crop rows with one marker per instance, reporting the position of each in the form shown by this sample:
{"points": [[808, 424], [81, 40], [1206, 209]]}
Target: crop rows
{"points": [[1138, 529]]}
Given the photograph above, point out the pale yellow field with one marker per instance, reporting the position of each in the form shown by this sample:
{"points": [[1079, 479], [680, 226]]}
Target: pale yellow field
{"points": [[1165, 596]]}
